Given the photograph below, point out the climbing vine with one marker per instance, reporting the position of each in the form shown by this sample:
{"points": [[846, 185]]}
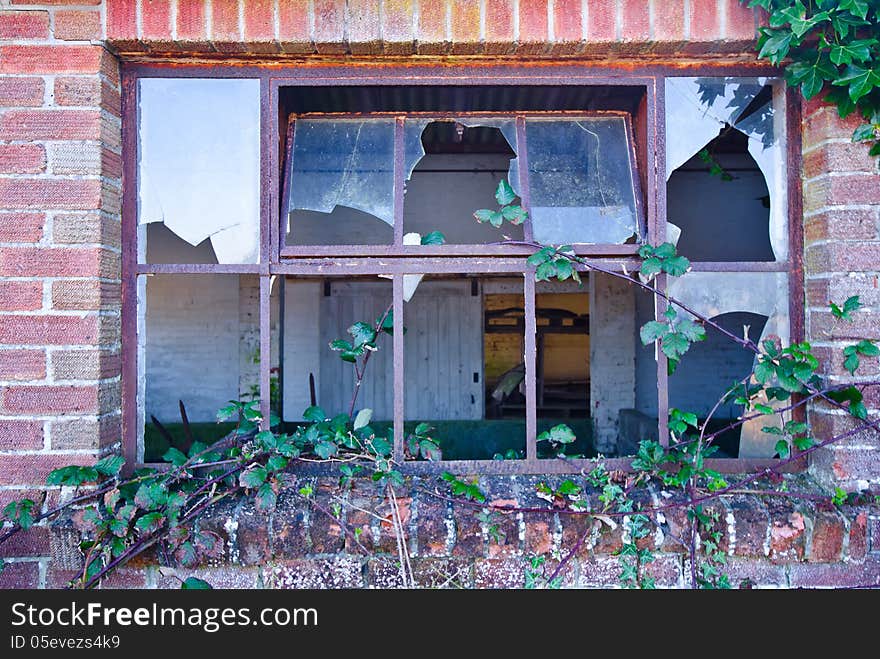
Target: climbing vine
{"points": [[122, 515], [830, 47]]}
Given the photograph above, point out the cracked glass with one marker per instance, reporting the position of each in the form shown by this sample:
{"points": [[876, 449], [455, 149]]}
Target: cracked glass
{"points": [[581, 181], [199, 170], [342, 182]]}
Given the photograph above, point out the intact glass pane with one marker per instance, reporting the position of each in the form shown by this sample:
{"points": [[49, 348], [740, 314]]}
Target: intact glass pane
{"points": [[199, 169], [342, 182], [581, 180]]}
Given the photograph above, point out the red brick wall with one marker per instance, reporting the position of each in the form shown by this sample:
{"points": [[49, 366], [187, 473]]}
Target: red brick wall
{"points": [[60, 172]]}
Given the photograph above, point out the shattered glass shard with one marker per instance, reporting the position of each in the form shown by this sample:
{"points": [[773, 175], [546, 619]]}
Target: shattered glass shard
{"points": [[199, 162]]}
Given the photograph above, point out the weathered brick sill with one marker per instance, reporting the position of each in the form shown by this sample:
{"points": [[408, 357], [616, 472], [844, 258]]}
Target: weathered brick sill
{"points": [[771, 542]]}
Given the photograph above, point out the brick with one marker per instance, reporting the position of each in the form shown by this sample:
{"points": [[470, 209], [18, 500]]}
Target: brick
{"points": [[532, 26], [253, 536], [49, 399], [289, 538], [847, 467], [842, 224], [465, 28], [33, 542], [740, 21], [499, 573], [86, 228], [77, 91], [397, 27], [58, 262], [293, 26], [567, 21], [22, 364], [191, 20], [21, 295], [432, 535], [850, 189], [322, 573], [468, 533], [751, 520], [844, 257], [874, 535], [384, 573], [431, 27], [636, 24], [25, 469], [77, 25], [21, 25], [224, 21], [22, 158], [787, 532], [599, 572], [72, 434], [838, 157], [21, 92], [20, 575], [826, 124], [50, 125], [753, 573], [84, 364], [858, 537], [85, 295], [329, 26], [669, 21], [835, 575], [364, 27], [259, 21], [705, 20], [50, 59], [122, 21], [21, 435], [47, 193], [827, 538], [49, 330], [156, 20], [601, 20], [499, 27], [58, 3]]}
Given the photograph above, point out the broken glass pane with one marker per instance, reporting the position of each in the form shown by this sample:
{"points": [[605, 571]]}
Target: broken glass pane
{"points": [[699, 109], [764, 294], [581, 180], [344, 168], [453, 169], [199, 164]]}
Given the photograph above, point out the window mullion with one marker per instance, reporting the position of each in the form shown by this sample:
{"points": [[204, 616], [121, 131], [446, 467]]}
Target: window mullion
{"points": [[265, 349], [660, 306], [398, 348], [530, 362]]}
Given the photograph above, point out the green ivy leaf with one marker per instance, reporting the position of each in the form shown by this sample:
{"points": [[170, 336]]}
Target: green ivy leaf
{"points": [[855, 7], [864, 133], [514, 214], [851, 304], [110, 466], [362, 333], [253, 477], [559, 434], [433, 238], [504, 194], [860, 81], [72, 476], [430, 450], [314, 413], [851, 363], [676, 265], [650, 267], [194, 583], [775, 44], [325, 449], [266, 498], [150, 522], [847, 52], [363, 418], [175, 457], [653, 330], [674, 345]]}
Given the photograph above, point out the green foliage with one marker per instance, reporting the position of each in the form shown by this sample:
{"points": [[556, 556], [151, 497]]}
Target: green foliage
{"points": [[851, 354], [557, 437], [831, 46], [675, 335], [21, 512], [470, 491], [662, 258], [507, 211], [555, 263], [715, 168], [194, 583], [845, 311]]}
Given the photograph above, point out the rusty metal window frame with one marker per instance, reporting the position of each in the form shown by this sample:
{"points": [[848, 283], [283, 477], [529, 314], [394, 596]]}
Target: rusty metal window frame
{"points": [[649, 133]]}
